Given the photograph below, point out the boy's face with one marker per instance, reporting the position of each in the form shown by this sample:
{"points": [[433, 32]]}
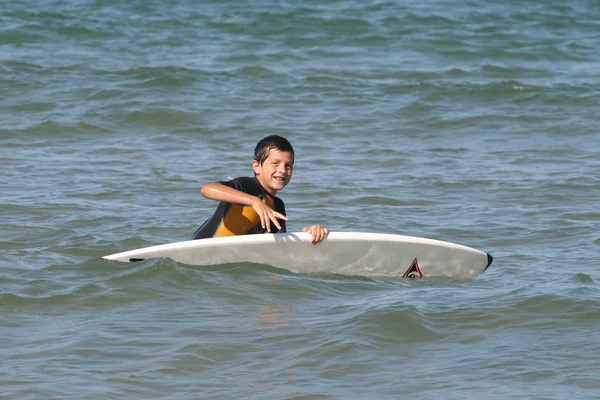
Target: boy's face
{"points": [[276, 171]]}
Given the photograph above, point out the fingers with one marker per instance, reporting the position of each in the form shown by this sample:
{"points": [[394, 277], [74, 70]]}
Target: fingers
{"points": [[267, 216], [275, 222], [274, 216], [280, 216], [263, 214], [318, 233]]}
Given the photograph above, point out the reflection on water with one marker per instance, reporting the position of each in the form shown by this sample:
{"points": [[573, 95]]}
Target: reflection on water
{"points": [[272, 315]]}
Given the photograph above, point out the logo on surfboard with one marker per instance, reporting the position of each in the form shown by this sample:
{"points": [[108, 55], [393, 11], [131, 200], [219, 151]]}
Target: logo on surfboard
{"points": [[413, 272]]}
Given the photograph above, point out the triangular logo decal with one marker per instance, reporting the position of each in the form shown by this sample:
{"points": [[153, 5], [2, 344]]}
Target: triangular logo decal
{"points": [[413, 272]]}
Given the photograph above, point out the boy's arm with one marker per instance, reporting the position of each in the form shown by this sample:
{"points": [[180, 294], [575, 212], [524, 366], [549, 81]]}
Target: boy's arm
{"points": [[219, 192]]}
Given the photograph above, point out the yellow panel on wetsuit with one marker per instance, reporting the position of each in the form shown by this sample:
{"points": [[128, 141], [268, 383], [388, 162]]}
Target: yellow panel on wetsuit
{"points": [[241, 220], [235, 219]]}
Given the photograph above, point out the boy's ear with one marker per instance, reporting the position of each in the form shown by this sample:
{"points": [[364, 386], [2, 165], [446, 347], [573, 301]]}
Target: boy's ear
{"points": [[255, 166]]}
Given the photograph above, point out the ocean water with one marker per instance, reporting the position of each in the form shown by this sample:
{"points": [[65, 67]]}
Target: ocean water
{"points": [[475, 123]]}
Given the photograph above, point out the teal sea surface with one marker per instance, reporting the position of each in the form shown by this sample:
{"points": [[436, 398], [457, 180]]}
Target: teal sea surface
{"points": [[471, 122]]}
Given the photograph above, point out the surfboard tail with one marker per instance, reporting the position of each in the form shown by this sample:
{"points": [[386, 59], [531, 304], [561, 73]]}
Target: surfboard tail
{"points": [[490, 260]]}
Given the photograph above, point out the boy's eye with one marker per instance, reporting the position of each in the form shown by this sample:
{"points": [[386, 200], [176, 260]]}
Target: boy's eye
{"points": [[276, 164]]}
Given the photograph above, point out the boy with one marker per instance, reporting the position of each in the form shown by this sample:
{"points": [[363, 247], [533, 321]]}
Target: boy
{"points": [[249, 205]]}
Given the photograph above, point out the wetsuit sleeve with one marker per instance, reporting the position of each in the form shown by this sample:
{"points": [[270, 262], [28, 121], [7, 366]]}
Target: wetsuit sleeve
{"points": [[240, 184]]}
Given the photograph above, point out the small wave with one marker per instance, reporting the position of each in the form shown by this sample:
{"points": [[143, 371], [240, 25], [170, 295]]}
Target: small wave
{"points": [[32, 106], [21, 36], [13, 65], [382, 200], [381, 5], [79, 32], [582, 216], [254, 71], [568, 306], [583, 278], [168, 77], [158, 117], [39, 14], [456, 150], [396, 323], [54, 129], [62, 296], [435, 21]]}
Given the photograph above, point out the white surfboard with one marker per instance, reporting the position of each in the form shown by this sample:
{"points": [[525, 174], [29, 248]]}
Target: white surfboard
{"points": [[368, 254]]}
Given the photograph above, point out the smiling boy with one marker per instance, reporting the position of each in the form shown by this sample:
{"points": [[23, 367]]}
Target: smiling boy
{"points": [[248, 205]]}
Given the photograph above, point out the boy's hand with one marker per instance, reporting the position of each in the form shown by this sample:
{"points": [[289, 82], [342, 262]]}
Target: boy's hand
{"points": [[318, 233], [267, 215]]}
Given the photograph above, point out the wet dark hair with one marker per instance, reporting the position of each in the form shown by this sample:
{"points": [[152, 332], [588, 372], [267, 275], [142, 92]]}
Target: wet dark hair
{"points": [[261, 151]]}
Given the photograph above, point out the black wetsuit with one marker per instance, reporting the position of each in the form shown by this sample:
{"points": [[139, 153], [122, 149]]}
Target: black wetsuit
{"points": [[236, 219]]}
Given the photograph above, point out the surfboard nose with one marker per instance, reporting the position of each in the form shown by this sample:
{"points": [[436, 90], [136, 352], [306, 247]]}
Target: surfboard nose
{"points": [[490, 259]]}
